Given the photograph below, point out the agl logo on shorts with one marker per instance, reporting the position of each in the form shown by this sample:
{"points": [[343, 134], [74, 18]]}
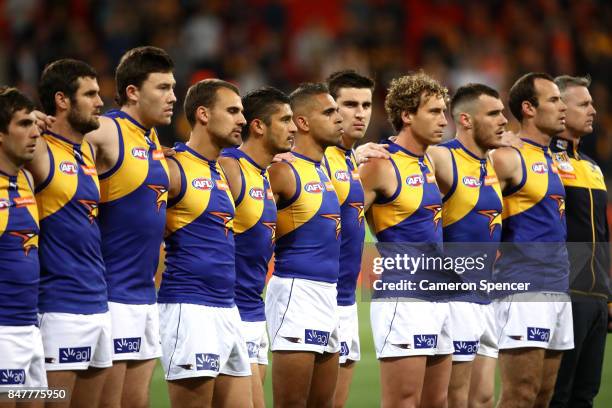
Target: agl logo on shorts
{"points": [[74, 354], [69, 168], [202, 183], [12, 377], [207, 361], [416, 180], [127, 345], [538, 334], [466, 348], [425, 341], [316, 337]]}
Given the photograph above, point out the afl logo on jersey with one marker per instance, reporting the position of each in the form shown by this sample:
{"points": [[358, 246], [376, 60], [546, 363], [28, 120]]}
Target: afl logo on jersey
{"points": [[539, 168], [256, 193], [471, 181], [416, 180], [69, 168], [314, 187], [4, 203], [342, 175], [202, 183], [140, 153]]}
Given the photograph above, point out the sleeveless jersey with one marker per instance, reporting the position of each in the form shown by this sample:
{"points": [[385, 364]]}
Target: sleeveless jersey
{"points": [[472, 213], [133, 212], [342, 169], [19, 267], [254, 233], [308, 226], [534, 221], [409, 224], [199, 235], [71, 265]]}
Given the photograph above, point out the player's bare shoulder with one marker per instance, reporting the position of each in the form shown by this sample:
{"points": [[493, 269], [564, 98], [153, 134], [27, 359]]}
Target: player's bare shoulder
{"points": [[105, 143], [231, 168], [282, 180]]}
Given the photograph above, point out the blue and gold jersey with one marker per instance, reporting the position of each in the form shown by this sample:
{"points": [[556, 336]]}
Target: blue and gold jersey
{"points": [[409, 223], [133, 212], [71, 265], [199, 235], [19, 267], [308, 226], [534, 220], [472, 212], [254, 233], [342, 169]]}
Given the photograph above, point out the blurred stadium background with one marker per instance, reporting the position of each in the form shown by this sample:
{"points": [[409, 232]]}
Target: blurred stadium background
{"points": [[284, 42]]}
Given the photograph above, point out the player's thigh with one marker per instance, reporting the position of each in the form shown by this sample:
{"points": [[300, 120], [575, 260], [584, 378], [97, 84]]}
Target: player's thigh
{"points": [[522, 366], [291, 375], [401, 379], [482, 383], [191, 392], [437, 377], [232, 392]]}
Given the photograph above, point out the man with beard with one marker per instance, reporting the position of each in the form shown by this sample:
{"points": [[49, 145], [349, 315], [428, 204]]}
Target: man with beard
{"points": [[269, 131], [535, 326], [22, 358], [301, 300], [471, 213], [587, 231], [353, 94], [73, 304], [205, 356]]}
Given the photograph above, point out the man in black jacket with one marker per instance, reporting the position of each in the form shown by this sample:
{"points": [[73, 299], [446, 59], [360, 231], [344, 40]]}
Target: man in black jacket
{"points": [[587, 235]]}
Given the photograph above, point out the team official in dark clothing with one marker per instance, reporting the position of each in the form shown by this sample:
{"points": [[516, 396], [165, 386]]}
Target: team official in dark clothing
{"points": [[587, 235]]}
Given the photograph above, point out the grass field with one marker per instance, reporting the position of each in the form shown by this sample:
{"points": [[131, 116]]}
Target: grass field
{"points": [[365, 390]]}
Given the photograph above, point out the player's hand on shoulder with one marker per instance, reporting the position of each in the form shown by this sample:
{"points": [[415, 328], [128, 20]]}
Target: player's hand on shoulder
{"points": [[43, 121], [511, 139], [371, 150], [288, 156]]}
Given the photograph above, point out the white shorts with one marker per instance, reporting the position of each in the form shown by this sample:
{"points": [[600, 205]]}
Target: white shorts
{"points": [[202, 341], [76, 341], [302, 315], [410, 327], [135, 331], [22, 358], [348, 332], [256, 338], [542, 320], [488, 340], [468, 327]]}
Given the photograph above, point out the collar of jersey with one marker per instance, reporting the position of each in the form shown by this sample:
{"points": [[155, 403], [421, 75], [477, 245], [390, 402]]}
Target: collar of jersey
{"points": [[301, 156], [182, 147], [124, 115]]}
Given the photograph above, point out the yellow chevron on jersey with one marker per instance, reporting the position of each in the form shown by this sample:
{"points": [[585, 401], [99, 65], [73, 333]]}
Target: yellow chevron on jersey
{"points": [[336, 163], [197, 186], [467, 191], [133, 166], [535, 184], [251, 203], [408, 197], [61, 186], [308, 201], [25, 199]]}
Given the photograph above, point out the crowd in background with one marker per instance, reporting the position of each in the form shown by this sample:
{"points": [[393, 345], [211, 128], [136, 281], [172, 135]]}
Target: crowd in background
{"points": [[285, 42]]}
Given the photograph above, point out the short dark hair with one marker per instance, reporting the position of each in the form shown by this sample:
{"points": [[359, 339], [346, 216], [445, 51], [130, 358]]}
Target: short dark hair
{"points": [[261, 104], [567, 81], [347, 78], [136, 65], [204, 93], [12, 100], [524, 90], [62, 76], [469, 93], [306, 91]]}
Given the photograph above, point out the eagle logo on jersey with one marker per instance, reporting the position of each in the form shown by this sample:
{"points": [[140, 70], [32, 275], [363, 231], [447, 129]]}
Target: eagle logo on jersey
{"points": [[161, 192], [226, 218], [360, 212], [92, 209], [29, 240], [335, 217], [560, 203], [272, 226], [437, 213], [494, 217]]}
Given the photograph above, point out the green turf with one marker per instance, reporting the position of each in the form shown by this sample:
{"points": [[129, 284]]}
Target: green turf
{"points": [[365, 390]]}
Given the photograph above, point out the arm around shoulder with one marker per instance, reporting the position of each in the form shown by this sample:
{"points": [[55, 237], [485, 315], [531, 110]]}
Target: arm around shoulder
{"points": [[105, 143], [378, 179], [507, 165], [232, 171], [282, 181]]}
